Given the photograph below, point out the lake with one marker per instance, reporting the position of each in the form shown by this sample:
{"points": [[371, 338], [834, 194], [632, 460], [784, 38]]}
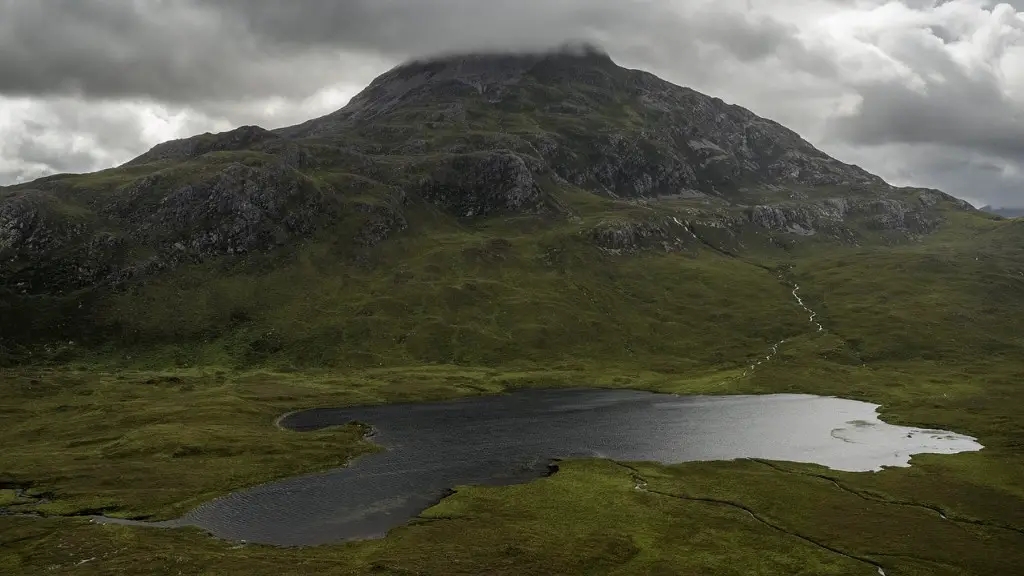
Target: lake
{"points": [[514, 438]]}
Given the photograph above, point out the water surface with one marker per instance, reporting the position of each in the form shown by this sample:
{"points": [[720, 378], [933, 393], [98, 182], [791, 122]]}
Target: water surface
{"points": [[513, 438]]}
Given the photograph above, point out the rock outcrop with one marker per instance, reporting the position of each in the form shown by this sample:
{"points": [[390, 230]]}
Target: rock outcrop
{"points": [[234, 210], [625, 237], [481, 184]]}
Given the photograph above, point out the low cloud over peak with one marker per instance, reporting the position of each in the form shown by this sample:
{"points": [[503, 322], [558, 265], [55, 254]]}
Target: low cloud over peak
{"points": [[919, 91]]}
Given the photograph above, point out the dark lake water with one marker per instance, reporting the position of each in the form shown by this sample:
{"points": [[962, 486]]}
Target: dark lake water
{"points": [[513, 438]]}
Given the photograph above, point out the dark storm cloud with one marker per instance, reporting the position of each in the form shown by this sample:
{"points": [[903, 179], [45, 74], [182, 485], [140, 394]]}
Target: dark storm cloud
{"points": [[956, 112], [190, 51], [403, 29], [170, 51], [961, 173]]}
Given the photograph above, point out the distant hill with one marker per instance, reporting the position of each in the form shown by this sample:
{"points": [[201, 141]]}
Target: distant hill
{"points": [[1004, 212]]}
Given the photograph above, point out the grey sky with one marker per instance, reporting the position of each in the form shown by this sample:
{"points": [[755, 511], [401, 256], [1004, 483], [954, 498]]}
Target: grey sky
{"points": [[918, 91]]}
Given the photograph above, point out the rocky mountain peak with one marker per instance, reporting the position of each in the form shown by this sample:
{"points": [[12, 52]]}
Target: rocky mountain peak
{"points": [[645, 136]]}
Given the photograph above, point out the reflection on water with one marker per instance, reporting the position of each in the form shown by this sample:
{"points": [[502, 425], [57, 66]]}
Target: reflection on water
{"points": [[508, 439]]}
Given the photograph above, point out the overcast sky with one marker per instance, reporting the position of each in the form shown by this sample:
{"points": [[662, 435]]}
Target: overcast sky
{"points": [[922, 92]]}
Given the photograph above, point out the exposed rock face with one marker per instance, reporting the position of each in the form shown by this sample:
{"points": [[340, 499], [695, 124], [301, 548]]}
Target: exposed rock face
{"points": [[20, 224], [847, 220], [726, 142], [231, 211], [30, 223], [40, 247], [910, 214], [482, 184], [622, 166], [668, 234], [235, 210]]}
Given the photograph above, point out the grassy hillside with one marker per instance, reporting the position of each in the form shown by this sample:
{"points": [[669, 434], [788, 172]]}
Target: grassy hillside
{"points": [[925, 328], [672, 283]]}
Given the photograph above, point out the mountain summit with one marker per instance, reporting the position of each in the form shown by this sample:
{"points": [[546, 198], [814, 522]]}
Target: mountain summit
{"points": [[597, 125]]}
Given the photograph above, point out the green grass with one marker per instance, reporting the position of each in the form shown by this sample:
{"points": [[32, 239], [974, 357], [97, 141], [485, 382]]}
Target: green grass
{"points": [[490, 294]]}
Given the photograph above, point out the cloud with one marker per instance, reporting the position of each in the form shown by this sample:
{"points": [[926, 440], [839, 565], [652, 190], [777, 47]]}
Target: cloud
{"points": [[950, 110], [178, 52], [958, 93], [190, 51], [60, 134], [876, 82], [976, 177]]}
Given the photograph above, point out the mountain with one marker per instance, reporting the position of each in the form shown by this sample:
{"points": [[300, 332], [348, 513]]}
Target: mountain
{"points": [[388, 229], [1004, 212]]}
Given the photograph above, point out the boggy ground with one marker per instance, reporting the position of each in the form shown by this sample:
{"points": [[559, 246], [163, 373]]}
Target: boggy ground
{"points": [[155, 445], [926, 330]]}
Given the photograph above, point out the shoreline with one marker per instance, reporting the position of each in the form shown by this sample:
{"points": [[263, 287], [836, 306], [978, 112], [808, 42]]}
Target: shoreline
{"points": [[279, 419]]}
